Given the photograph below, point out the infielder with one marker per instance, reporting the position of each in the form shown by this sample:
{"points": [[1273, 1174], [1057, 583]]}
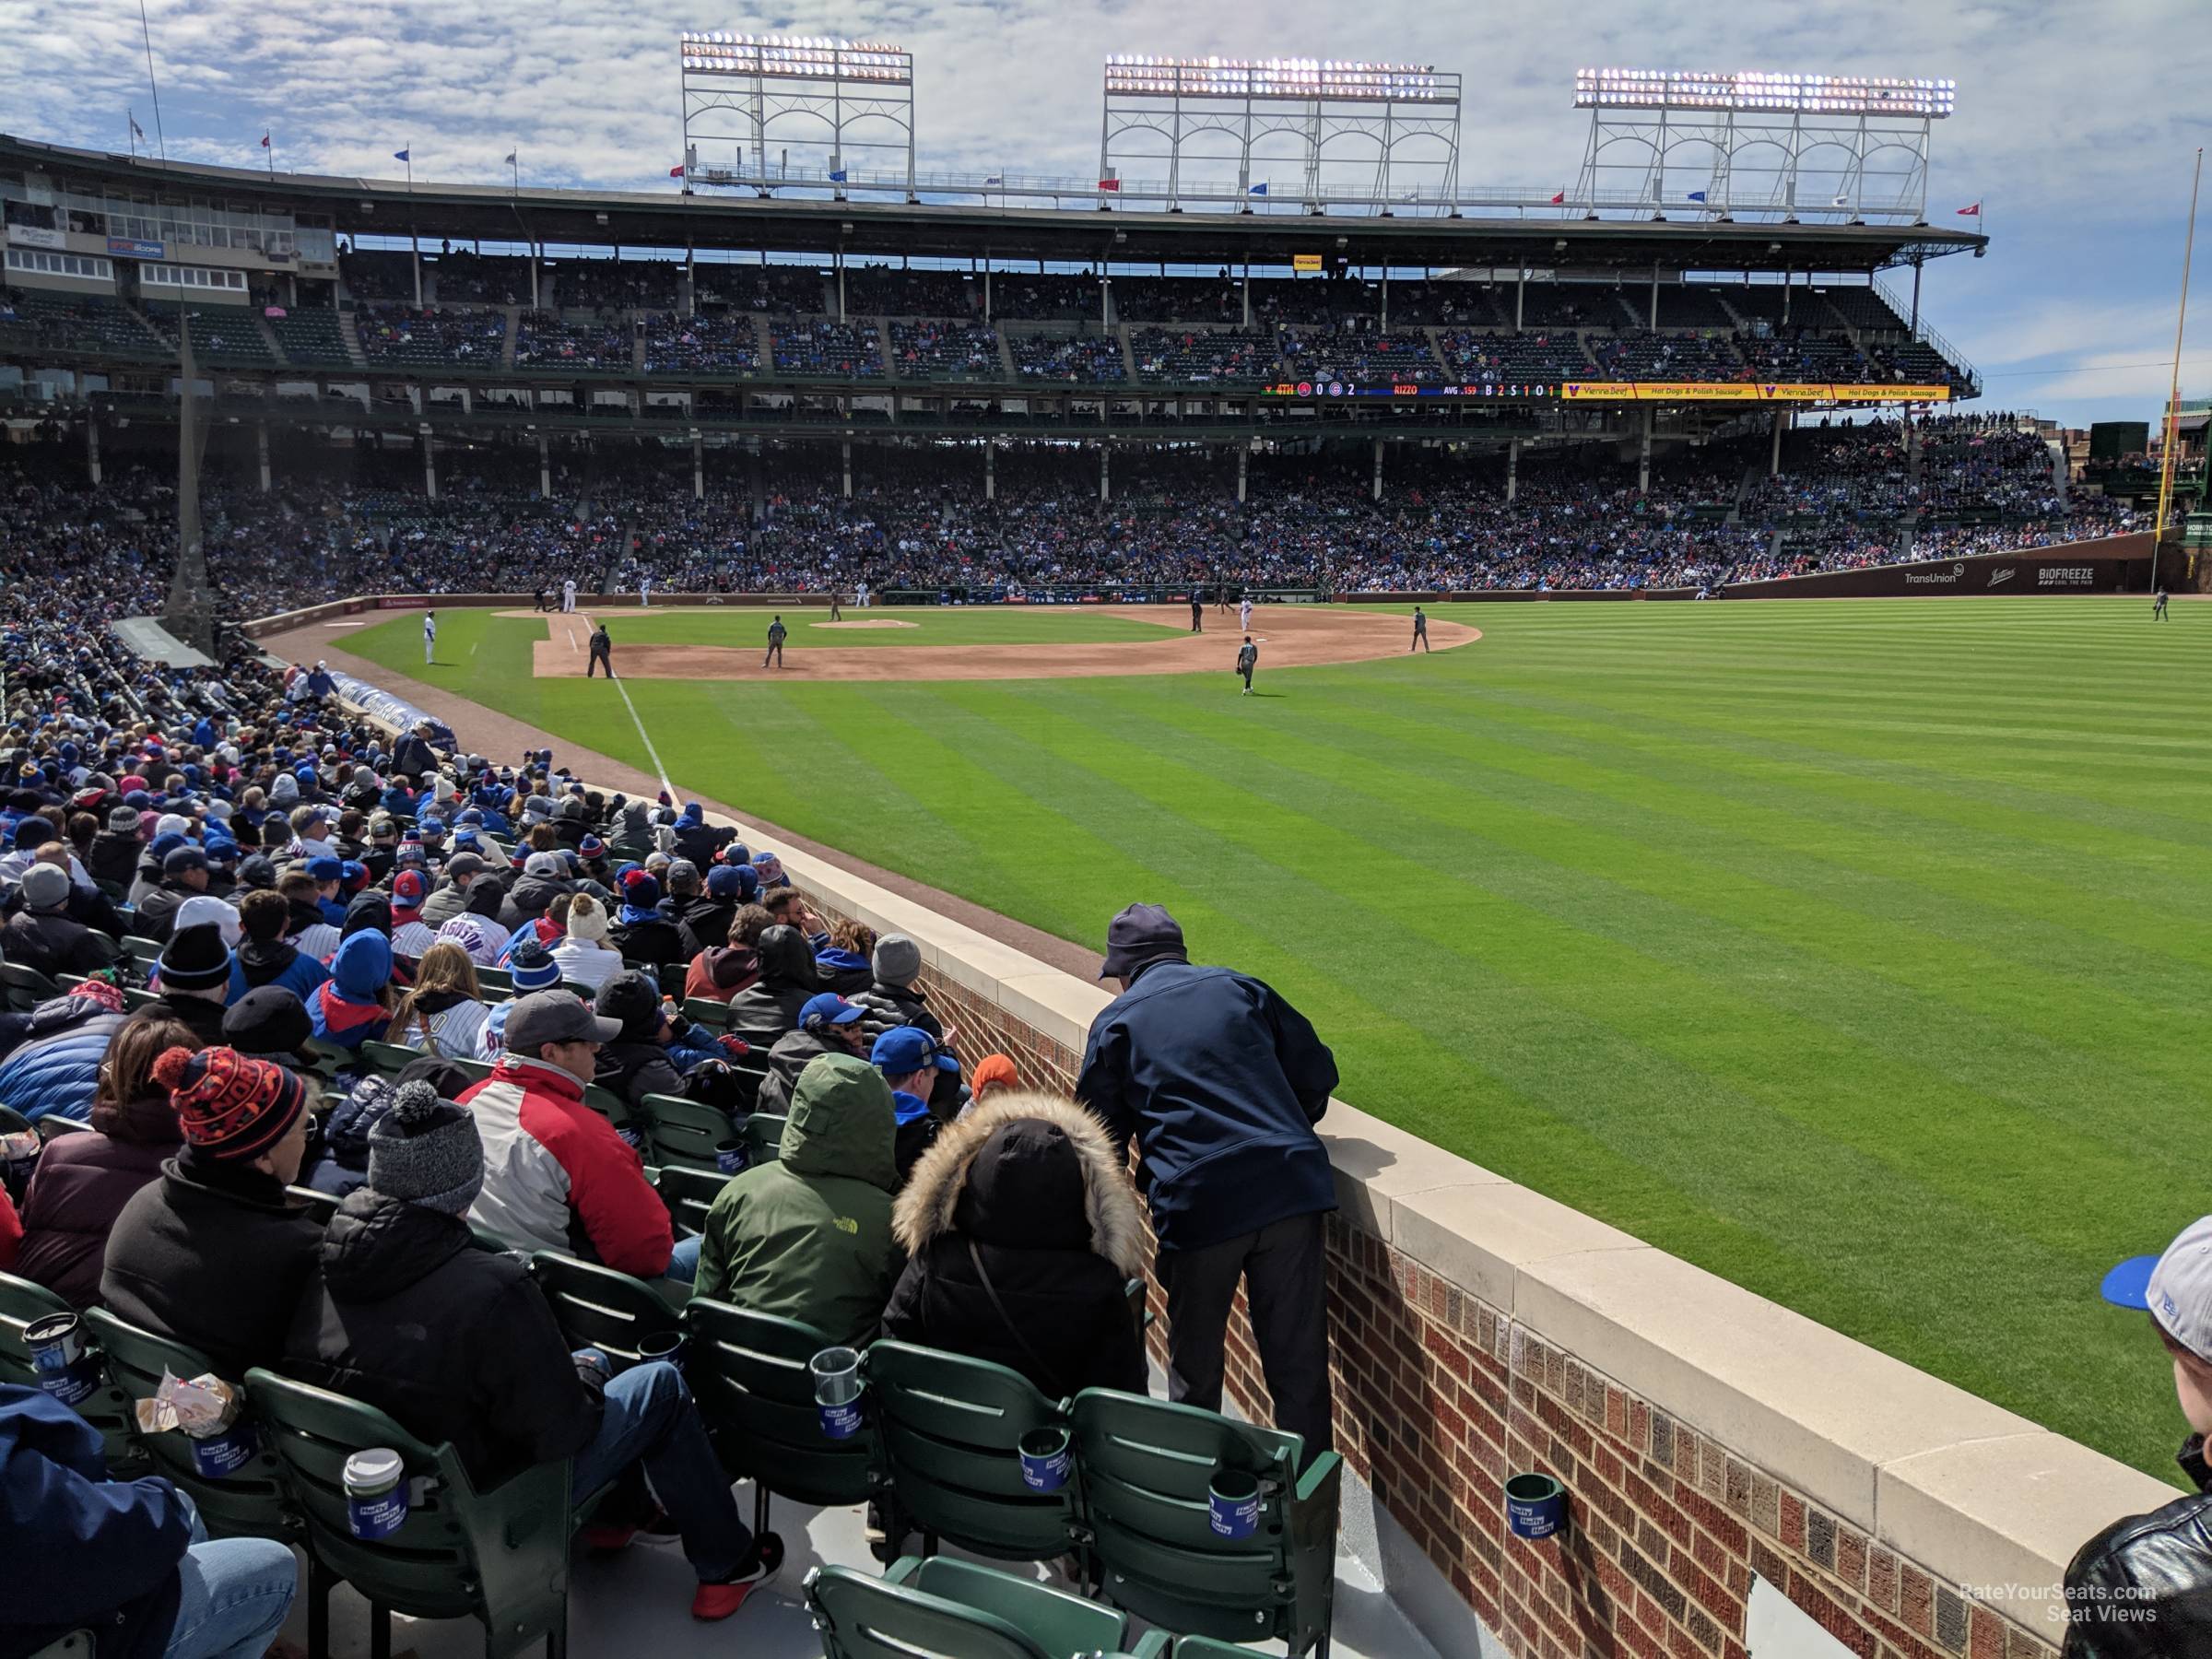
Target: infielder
{"points": [[776, 635], [836, 614], [1421, 630], [1244, 614], [1248, 658], [644, 592], [603, 652], [429, 637], [568, 594]]}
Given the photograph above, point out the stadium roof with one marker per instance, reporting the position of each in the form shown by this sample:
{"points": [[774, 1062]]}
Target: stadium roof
{"points": [[361, 207]]}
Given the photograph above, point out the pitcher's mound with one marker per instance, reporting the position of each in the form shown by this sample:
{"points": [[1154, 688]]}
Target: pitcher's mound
{"points": [[868, 622]]}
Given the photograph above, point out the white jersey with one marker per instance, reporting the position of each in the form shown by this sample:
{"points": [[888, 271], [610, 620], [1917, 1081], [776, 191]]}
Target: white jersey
{"points": [[568, 595], [1243, 615], [429, 627]]}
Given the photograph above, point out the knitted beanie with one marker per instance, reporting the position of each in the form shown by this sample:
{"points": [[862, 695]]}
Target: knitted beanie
{"points": [[427, 1151], [229, 1105], [196, 958], [587, 921], [897, 960], [532, 967]]}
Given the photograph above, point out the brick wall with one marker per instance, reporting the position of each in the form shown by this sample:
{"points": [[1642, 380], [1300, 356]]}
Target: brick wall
{"points": [[1440, 1397]]}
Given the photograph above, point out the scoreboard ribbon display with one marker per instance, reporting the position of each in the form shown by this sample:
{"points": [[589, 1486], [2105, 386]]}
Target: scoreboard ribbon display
{"points": [[1669, 392]]}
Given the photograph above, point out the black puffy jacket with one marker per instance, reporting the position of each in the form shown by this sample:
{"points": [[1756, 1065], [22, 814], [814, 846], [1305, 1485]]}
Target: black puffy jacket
{"points": [[1031, 1183], [769, 1006], [405, 1312], [2142, 1588]]}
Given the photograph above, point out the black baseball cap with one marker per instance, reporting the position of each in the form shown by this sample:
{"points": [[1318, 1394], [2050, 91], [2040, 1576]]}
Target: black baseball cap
{"points": [[545, 1016]]}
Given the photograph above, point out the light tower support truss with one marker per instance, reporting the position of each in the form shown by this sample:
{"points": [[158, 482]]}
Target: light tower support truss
{"points": [[1360, 135], [1754, 144], [752, 103]]}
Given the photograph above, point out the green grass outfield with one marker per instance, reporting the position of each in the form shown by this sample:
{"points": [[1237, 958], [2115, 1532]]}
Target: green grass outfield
{"points": [[951, 625], [1858, 951]]}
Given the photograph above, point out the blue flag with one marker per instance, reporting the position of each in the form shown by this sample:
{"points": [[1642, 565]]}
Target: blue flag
{"points": [[1257, 189], [401, 155], [837, 175], [1697, 196]]}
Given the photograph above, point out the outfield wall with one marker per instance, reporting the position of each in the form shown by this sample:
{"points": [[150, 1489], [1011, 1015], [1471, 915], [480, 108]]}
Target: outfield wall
{"points": [[1725, 1458], [1711, 1440]]}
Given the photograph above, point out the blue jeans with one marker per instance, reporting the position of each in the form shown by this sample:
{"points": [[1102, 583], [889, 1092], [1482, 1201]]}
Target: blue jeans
{"points": [[683, 1263], [234, 1595], [650, 1420]]}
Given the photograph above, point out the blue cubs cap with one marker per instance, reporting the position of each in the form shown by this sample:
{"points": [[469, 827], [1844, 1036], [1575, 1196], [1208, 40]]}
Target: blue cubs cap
{"points": [[430, 826], [828, 1008], [904, 1049], [326, 869]]}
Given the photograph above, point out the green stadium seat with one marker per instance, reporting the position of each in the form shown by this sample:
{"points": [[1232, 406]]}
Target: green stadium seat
{"points": [[682, 1132], [950, 1428], [1146, 1466], [596, 1307], [706, 1011], [77, 1644], [251, 1502], [762, 1133], [320, 1205], [145, 952], [688, 1193], [53, 1125], [22, 1304], [607, 1104], [749, 1372], [494, 979], [25, 987], [500, 1557], [388, 1059], [960, 1607]]}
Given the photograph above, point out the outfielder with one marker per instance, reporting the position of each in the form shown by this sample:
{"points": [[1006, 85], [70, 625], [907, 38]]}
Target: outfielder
{"points": [[429, 637], [777, 633], [2158, 605], [644, 592], [1421, 630], [1248, 658]]}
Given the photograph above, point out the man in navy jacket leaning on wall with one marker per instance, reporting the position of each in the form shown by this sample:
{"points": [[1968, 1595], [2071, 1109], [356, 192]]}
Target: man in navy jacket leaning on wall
{"points": [[1220, 1082]]}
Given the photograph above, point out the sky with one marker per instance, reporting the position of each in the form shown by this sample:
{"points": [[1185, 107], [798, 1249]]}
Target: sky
{"points": [[2075, 127]]}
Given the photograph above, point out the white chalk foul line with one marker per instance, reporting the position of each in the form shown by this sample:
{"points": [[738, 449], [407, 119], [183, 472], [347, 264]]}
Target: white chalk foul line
{"points": [[654, 755]]}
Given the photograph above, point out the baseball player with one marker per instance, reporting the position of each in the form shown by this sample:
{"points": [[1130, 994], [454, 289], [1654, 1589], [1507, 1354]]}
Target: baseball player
{"points": [[835, 614], [568, 594], [1421, 630], [1197, 611], [603, 652], [2158, 605], [644, 592], [1244, 614], [777, 633], [429, 637], [1248, 658]]}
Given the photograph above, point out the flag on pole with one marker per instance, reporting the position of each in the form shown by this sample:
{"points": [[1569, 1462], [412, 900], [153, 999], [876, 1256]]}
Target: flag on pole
{"points": [[1697, 196], [510, 160], [837, 175], [1972, 212], [138, 132], [674, 172], [264, 141], [1839, 202], [995, 179], [1558, 199], [1260, 188], [407, 155], [1114, 184]]}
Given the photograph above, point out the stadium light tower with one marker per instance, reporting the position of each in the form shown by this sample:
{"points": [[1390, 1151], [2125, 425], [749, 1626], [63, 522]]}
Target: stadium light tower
{"points": [[1749, 141], [846, 106], [1369, 134]]}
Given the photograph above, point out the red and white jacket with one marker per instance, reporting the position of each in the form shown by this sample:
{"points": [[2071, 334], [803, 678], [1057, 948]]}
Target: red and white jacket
{"points": [[558, 1177]]}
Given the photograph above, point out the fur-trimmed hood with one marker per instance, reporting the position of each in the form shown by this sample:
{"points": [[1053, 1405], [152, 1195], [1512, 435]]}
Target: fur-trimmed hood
{"points": [[1025, 1191]]}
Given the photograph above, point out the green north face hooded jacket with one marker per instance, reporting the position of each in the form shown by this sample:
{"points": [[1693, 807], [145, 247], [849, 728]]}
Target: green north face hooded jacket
{"points": [[809, 1237]]}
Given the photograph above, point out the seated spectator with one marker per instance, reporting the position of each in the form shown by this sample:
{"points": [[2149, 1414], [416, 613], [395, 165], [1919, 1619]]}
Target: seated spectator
{"points": [[842, 965], [214, 1254], [265, 956], [721, 972], [42, 937], [444, 1013], [583, 954], [339, 1161], [545, 877], [893, 997], [411, 935], [769, 1006], [461, 872], [993, 1073], [82, 1181], [706, 924], [354, 1005], [641, 933], [459, 1346], [912, 1064], [479, 939], [304, 925], [2139, 1589], [827, 1025], [126, 1559], [1022, 1231], [54, 1055], [809, 1237], [184, 873], [270, 1024], [788, 907], [557, 1175], [649, 1056], [195, 971], [115, 850]]}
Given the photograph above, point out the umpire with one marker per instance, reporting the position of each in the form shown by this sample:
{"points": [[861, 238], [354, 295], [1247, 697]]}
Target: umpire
{"points": [[603, 653], [1221, 1081]]}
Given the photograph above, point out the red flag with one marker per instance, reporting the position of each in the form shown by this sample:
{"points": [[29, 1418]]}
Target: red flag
{"points": [[264, 141], [1560, 200], [676, 173], [1109, 185], [1973, 212]]}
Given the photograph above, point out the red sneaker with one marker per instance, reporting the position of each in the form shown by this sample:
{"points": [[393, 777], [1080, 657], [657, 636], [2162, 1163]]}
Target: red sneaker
{"points": [[606, 1536], [724, 1596]]}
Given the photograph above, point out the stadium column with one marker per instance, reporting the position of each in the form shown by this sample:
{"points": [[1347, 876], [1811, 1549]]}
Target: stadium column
{"points": [[261, 452], [1105, 483], [1654, 322], [92, 449], [429, 465], [847, 447], [1520, 292], [1243, 460], [699, 467], [545, 468], [1643, 455], [1774, 454], [1378, 469], [990, 469], [1512, 470]]}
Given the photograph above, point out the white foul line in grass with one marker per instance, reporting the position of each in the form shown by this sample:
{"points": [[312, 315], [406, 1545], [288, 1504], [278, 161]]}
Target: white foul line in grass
{"points": [[652, 753]]}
